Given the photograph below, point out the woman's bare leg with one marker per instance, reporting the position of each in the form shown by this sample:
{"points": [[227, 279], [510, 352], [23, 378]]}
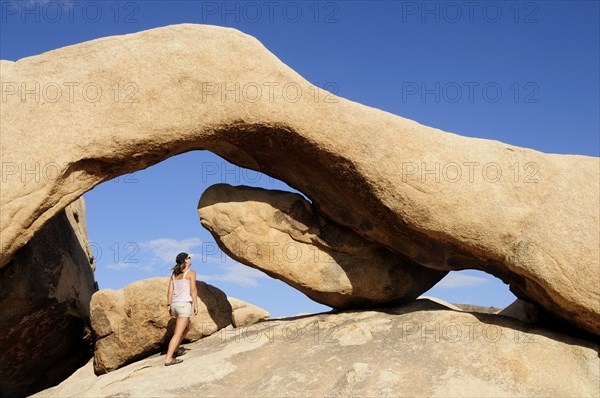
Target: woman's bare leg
{"points": [[180, 327], [185, 332]]}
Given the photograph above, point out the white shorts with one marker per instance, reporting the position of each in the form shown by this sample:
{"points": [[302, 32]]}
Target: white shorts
{"points": [[181, 308]]}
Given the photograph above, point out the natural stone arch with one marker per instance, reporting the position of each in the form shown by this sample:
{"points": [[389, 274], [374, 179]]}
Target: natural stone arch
{"points": [[355, 163], [279, 233]]}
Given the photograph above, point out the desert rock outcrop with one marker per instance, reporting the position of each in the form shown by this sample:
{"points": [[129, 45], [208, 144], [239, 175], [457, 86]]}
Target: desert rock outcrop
{"points": [[45, 292], [444, 201], [133, 322], [244, 314], [279, 233], [422, 349]]}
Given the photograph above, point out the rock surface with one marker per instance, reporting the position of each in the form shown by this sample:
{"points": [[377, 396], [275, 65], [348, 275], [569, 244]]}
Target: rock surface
{"points": [[454, 307], [278, 233], [45, 293], [133, 322], [245, 314], [529, 218], [420, 350], [76, 215]]}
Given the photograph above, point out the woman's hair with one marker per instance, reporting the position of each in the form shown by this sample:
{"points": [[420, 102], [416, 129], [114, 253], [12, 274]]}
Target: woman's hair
{"points": [[180, 260]]}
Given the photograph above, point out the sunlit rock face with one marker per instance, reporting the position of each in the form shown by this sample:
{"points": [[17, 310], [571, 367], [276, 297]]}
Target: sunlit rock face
{"points": [[441, 200], [133, 322], [244, 313], [279, 233], [422, 349]]}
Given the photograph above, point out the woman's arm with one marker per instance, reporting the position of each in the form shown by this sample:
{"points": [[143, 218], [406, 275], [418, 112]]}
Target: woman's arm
{"points": [[191, 275], [170, 294]]}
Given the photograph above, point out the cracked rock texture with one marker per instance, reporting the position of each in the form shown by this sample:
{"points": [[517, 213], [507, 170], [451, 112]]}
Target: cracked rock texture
{"points": [[423, 349]]}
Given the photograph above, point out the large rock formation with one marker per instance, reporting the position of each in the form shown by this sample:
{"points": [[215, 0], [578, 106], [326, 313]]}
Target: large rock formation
{"points": [[420, 350], [279, 233], [45, 293], [133, 322], [244, 314], [445, 201]]}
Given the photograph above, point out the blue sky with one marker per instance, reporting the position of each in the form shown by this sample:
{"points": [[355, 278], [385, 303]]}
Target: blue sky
{"points": [[521, 72]]}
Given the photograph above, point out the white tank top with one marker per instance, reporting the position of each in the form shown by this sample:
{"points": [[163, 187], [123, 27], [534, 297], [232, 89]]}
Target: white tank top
{"points": [[181, 289]]}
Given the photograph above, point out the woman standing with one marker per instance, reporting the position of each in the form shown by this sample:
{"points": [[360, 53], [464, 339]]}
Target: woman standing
{"points": [[181, 295]]}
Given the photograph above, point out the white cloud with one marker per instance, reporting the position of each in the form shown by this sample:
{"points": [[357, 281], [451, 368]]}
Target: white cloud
{"points": [[161, 253], [125, 265], [234, 272], [164, 250], [149, 256], [455, 279]]}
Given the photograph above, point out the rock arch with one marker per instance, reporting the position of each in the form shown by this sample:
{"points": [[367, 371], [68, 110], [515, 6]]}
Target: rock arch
{"points": [[173, 89]]}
